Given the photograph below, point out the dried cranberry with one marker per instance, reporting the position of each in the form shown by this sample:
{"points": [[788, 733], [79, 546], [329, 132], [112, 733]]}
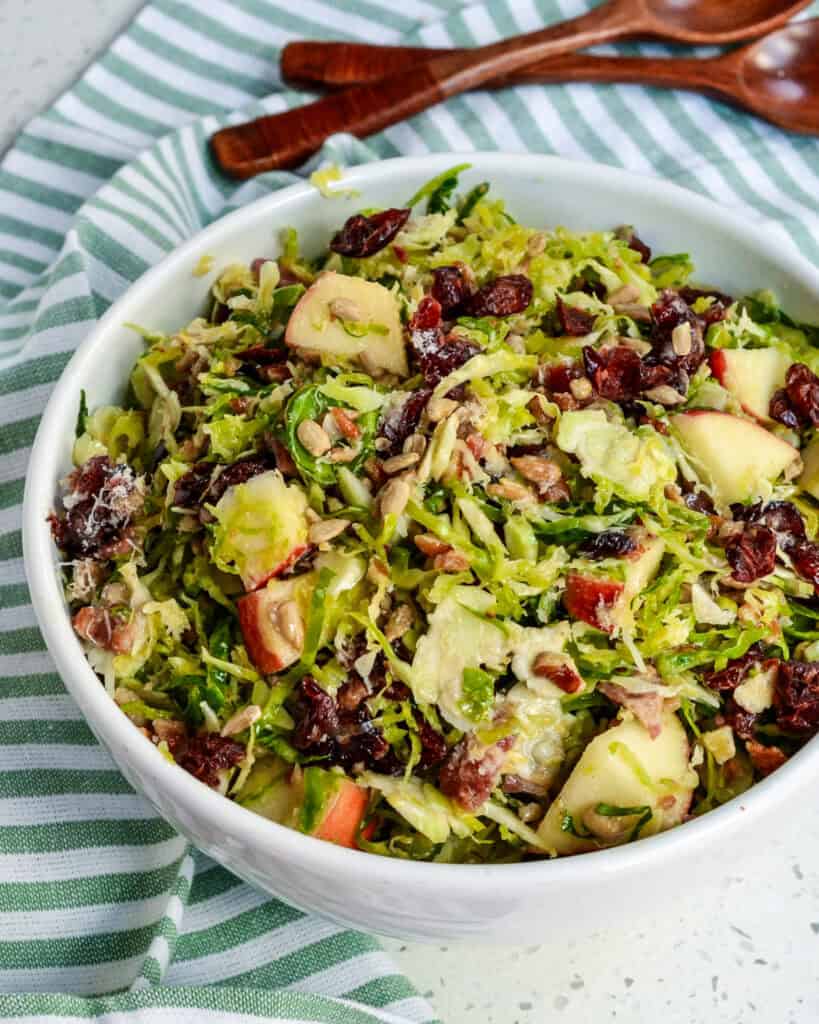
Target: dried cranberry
{"points": [[634, 241], [735, 671], [340, 735], [780, 516], [471, 771], [782, 411], [236, 473], [363, 236], [436, 353], [104, 498], [190, 488], [796, 696], [740, 720], [718, 309], [616, 373], [208, 754], [799, 405], [504, 296], [397, 426], [805, 557], [699, 501], [573, 321], [282, 457], [752, 553], [318, 722], [609, 544], [558, 378], [433, 744], [669, 312], [261, 355], [451, 289]]}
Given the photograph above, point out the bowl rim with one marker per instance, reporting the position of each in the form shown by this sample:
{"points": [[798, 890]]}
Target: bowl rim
{"points": [[245, 825]]}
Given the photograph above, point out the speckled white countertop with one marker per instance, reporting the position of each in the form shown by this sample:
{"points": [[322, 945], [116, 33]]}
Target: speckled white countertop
{"points": [[735, 948]]}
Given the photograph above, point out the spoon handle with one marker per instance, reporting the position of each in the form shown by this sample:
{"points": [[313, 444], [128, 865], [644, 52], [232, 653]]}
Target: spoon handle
{"points": [[286, 140], [340, 65]]}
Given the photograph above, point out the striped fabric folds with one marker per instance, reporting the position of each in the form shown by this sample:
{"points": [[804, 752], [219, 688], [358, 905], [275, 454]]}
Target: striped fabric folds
{"points": [[97, 895]]}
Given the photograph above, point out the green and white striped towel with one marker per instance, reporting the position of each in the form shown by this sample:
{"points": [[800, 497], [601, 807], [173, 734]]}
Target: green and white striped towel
{"points": [[97, 895]]}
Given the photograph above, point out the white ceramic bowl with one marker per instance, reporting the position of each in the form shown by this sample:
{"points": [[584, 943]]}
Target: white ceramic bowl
{"points": [[504, 903]]}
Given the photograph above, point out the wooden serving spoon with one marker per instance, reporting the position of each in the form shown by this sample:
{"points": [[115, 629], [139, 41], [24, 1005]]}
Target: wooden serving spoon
{"points": [[286, 140], [777, 77]]}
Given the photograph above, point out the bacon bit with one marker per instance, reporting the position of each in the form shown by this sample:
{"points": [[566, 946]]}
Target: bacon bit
{"points": [[93, 625], [239, 404], [555, 668], [537, 409], [765, 759], [646, 707], [122, 638], [477, 445], [565, 402], [430, 545], [171, 732], [471, 771], [451, 561], [345, 423]]}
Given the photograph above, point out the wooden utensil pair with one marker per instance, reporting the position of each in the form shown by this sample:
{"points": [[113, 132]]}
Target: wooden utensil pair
{"points": [[776, 77]]}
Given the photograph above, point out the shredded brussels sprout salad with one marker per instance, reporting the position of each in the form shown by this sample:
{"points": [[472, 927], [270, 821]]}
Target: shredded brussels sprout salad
{"points": [[467, 541]]}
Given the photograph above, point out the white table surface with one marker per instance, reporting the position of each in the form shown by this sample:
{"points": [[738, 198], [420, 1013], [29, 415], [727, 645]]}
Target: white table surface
{"points": [[738, 948]]}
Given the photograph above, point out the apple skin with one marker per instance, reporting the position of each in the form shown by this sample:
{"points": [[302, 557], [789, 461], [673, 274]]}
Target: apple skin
{"points": [[340, 823], [738, 455], [751, 376], [257, 582], [313, 326], [267, 648], [593, 599]]}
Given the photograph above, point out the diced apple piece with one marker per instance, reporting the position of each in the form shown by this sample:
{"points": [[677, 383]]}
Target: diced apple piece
{"points": [[738, 456], [261, 528], [622, 767], [332, 807], [323, 804], [809, 479], [272, 619], [333, 317], [605, 603], [752, 375]]}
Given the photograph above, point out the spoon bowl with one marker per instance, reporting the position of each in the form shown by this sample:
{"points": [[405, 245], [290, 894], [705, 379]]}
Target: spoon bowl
{"points": [[719, 21], [779, 76]]}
